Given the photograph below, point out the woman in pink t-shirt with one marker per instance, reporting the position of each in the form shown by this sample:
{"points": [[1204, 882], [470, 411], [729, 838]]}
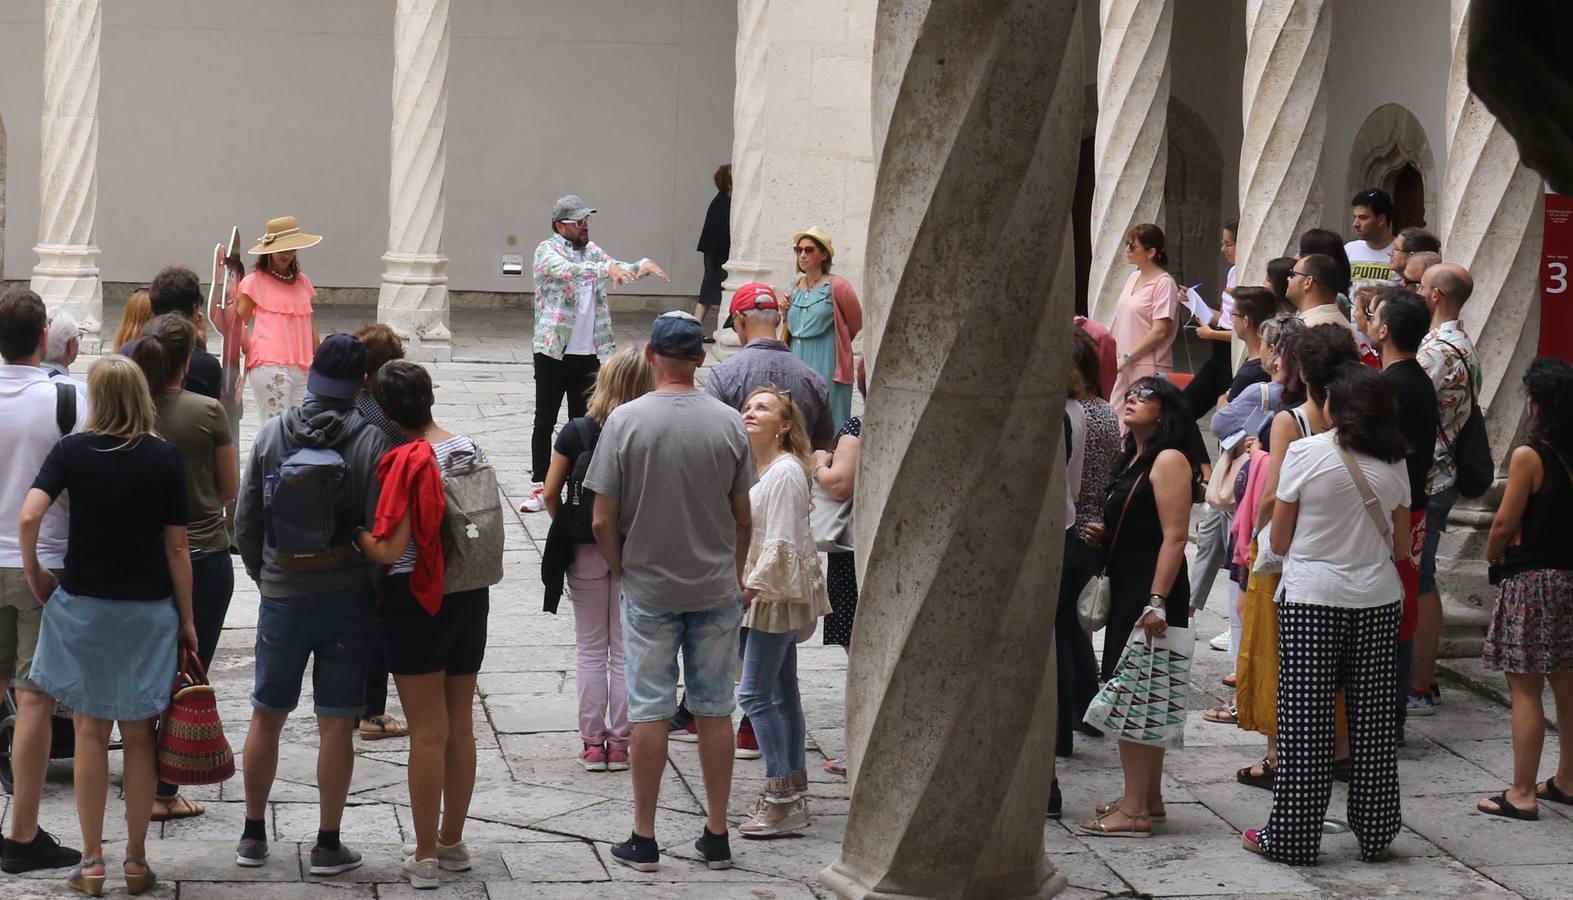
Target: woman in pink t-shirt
{"points": [[1145, 323], [276, 299]]}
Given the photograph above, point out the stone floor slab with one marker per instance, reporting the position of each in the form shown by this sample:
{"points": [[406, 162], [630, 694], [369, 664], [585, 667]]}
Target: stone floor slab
{"points": [[1476, 839], [1542, 882], [559, 861]]}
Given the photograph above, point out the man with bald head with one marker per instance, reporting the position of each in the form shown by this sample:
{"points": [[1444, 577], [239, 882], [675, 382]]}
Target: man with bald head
{"points": [[1416, 266], [1448, 356]]}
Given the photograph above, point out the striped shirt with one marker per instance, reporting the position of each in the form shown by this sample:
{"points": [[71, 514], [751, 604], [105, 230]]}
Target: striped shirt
{"points": [[445, 452]]}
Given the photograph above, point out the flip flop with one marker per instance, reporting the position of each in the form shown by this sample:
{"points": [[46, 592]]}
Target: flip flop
{"points": [[381, 727], [180, 807], [1554, 793], [1507, 810]]}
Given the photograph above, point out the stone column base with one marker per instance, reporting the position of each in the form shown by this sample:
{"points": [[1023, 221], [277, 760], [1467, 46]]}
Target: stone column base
{"points": [[66, 277], [849, 883], [1467, 597], [413, 302]]}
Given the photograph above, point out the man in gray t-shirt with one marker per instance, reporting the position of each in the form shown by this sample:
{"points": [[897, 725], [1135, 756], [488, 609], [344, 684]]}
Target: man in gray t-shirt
{"points": [[671, 474]]}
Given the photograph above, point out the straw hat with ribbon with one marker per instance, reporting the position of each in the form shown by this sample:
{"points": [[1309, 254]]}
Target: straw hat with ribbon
{"points": [[284, 233]]}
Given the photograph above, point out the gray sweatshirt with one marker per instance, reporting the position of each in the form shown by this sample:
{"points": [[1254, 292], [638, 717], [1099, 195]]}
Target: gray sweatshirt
{"points": [[320, 422]]}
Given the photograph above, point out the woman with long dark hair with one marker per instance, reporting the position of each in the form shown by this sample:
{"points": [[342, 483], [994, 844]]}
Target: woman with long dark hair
{"points": [[1278, 272], [1146, 318], [1341, 497], [1530, 639], [1143, 533]]}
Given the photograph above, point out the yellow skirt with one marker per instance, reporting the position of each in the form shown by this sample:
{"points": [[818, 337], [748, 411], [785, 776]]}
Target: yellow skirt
{"points": [[1256, 671]]}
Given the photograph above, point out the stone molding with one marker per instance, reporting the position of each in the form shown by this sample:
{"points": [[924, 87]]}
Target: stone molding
{"points": [[1130, 142], [1388, 138], [977, 111], [66, 275]]}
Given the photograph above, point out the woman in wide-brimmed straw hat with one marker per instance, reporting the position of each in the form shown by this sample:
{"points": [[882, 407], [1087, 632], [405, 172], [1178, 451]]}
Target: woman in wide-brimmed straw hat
{"points": [[283, 337], [823, 318]]}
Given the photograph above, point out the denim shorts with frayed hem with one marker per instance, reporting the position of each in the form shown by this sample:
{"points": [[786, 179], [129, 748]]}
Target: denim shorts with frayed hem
{"points": [[651, 642], [333, 632]]}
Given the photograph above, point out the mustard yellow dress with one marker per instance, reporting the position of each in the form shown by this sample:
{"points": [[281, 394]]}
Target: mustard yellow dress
{"points": [[1256, 671]]}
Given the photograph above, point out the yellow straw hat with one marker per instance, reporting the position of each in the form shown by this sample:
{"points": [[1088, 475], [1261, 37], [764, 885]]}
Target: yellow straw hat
{"points": [[819, 235], [284, 233]]}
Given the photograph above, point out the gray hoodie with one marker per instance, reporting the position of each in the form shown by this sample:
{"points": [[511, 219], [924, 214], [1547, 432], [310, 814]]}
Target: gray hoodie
{"points": [[320, 422]]}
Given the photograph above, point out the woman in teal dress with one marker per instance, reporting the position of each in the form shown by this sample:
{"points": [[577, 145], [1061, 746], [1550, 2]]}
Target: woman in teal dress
{"points": [[823, 318]]}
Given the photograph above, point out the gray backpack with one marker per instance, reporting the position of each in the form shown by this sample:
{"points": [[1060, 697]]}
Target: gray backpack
{"points": [[472, 525]]}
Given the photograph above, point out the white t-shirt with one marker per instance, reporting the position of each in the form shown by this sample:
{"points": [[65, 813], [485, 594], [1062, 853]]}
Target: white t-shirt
{"points": [[27, 433], [1338, 557], [581, 341], [1367, 265], [1226, 303]]}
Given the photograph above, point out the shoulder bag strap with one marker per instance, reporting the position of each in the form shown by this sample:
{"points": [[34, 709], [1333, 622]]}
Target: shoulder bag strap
{"points": [[1123, 510], [1266, 396], [1469, 385], [65, 407], [1367, 496]]}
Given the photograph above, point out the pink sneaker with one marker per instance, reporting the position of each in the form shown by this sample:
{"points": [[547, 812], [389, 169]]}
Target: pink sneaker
{"points": [[593, 758], [617, 759]]}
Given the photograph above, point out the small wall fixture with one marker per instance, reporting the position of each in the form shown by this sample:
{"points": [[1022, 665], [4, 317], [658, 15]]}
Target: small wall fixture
{"points": [[512, 266]]}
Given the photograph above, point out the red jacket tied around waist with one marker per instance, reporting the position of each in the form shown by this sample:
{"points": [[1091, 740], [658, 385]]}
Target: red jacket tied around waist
{"points": [[411, 482]]}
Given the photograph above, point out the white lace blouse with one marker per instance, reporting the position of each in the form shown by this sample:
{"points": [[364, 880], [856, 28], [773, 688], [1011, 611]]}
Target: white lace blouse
{"points": [[783, 563]]}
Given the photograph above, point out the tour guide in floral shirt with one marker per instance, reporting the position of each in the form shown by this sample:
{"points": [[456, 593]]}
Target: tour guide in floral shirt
{"points": [[573, 325]]}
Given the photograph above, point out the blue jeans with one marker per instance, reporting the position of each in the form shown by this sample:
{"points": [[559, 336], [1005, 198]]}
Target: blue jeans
{"points": [[1440, 505], [770, 697], [332, 631], [651, 642]]}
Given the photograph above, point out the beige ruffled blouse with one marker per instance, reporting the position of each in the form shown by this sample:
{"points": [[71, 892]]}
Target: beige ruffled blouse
{"points": [[783, 563]]}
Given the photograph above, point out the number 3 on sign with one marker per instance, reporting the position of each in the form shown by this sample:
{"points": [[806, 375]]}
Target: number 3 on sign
{"points": [[1556, 277]]}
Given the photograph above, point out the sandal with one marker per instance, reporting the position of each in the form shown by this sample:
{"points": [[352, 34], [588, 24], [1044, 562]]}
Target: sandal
{"points": [[1157, 816], [383, 726], [1249, 777], [1223, 714], [1230, 680], [837, 766], [1507, 810], [91, 885], [176, 807], [139, 884], [1554, 793], [1096, 827]]}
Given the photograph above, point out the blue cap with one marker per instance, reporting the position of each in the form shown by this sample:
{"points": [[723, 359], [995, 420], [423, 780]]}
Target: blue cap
{"points": [[339, 368], [678, 335]]}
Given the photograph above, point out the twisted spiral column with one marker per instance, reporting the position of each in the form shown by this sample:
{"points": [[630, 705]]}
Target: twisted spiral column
{"points": [[951, 695], [66, 275], [414, 294], [1284, 109], [1131, 142]]}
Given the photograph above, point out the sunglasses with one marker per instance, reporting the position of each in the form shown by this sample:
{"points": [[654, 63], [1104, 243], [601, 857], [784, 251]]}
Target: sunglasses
{"points": [[802, 250], [577, 223], [1140, 394]]}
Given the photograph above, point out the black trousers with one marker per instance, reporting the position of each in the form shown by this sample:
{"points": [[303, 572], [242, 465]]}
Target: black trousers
{"points": [[572, 376], [1211, 380], [212, 585]]}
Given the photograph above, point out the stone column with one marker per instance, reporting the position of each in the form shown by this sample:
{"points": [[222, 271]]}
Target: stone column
{"points": [[1284, 108], [1491, 222], [1131, 143], [67, 272], [977, 111], [801, 146], [414, 295]]}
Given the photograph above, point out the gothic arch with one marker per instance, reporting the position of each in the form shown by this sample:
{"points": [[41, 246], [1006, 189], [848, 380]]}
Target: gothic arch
{"points": [[1390, 139]]}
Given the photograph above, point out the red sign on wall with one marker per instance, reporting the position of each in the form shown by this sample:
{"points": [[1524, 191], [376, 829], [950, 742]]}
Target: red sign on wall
{"points": [[1556, 279]]}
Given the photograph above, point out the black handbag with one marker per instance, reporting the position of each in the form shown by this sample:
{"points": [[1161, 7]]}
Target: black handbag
{"points": [[1472, 451]]}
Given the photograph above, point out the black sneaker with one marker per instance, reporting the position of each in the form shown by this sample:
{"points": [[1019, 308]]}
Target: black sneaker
{"points": [[715, 848], [43, 852], [639, 853], [1056, 802]]}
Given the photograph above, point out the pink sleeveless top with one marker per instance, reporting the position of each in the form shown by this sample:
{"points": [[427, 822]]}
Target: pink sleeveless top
{"points": [[281, 326]]}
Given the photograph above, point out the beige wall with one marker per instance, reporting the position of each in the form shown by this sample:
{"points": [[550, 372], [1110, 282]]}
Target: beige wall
{"points": [[219, 113]]}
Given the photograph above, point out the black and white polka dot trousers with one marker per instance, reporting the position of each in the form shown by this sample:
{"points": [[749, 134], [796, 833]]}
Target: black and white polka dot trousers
{"points": [[1319, 649]]}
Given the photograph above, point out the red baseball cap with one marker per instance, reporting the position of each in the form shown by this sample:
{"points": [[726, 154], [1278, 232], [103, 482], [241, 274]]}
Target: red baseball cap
{"points": [[752, 296]]}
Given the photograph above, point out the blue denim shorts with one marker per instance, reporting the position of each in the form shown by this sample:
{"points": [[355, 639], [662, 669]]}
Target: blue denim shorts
{"points": [[333, 632], [651, 641], [1437, 509]]}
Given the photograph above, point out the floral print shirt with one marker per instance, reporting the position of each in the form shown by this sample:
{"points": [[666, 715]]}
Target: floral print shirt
{"points": [[559, 270], [1448, 356]]}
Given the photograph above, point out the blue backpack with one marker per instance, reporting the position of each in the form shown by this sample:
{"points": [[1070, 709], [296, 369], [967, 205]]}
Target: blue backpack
{"points": [[309, 513]]}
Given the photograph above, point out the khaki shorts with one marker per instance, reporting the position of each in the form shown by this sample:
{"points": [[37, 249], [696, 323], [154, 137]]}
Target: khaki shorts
{"points": [[20, 615]]}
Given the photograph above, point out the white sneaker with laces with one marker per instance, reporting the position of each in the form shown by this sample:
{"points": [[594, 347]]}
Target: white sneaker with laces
{"points": [[1221, 642], [422, 873], [455, 858], [537, 499]]}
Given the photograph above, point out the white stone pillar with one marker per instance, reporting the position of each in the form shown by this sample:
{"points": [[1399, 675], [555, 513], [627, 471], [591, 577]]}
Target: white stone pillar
{"points": [[66, 275], [978, 106], [414, 295], [802, 146], [1284, 109], [1491, 223], [1131, 143]]}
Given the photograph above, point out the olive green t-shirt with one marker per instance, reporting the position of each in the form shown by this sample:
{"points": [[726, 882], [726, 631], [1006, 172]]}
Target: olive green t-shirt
{"points": [[198, 425]]}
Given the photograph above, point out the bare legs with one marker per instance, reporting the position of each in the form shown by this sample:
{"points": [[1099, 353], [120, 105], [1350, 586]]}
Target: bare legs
{"points": [[1143, 769], [442, 756], [29, 759], [335, 764], [1428, 631], [91, 779], [1529, 734], [647, 759]]}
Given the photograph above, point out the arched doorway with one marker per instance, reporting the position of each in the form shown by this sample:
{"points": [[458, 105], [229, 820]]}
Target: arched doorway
{"points": [[1391, 152]]}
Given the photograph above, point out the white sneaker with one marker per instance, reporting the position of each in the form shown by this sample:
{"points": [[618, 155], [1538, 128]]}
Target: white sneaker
{"points": [[537, 499], [1221, 642], [452, 859], [422, 873]]}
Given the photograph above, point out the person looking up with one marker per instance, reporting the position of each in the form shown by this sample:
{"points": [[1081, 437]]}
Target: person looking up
{"points": [[1312, 291], [764, 359]]}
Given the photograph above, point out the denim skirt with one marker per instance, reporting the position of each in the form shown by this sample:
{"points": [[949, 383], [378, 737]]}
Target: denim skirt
{"points": [[108, 659]]}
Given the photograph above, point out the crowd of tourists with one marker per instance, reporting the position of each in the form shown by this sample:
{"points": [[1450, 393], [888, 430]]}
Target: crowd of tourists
{"points": [[1346, 434]]}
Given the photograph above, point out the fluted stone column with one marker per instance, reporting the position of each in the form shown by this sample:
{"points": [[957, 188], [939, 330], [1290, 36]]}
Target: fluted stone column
{"points": [[801, 149], [1284, 108], [1131, 143], [1491, 223], [66, 275], [414, 295], [951, 700]]}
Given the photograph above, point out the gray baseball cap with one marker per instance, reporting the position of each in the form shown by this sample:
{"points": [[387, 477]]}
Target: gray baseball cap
{"points": [[570, 209]]}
